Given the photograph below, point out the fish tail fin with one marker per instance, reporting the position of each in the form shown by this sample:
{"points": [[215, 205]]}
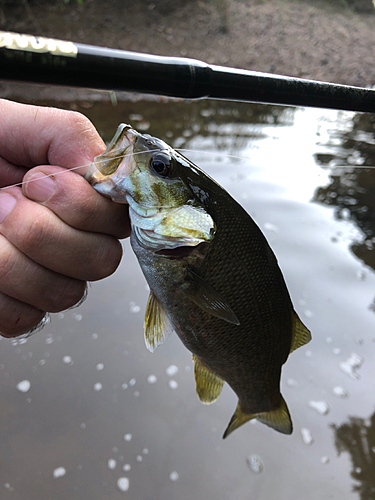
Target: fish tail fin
{"points": [[239, 418], [278, 419]]}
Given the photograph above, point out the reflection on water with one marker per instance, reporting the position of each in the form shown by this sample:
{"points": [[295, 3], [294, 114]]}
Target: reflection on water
{"points": [[352, 189], [87, 412], [357, 437]]}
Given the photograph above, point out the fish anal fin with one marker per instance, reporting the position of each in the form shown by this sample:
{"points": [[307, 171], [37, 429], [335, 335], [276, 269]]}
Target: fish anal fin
{"points": [[208, 384], [278, 419], [157, 326], [300, 334], [207, 298]]}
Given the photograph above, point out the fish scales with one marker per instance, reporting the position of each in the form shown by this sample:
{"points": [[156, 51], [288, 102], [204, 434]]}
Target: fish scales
{"points": [[214, 280]]}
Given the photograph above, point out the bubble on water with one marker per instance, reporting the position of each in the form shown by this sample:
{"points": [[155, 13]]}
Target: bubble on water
{"points": [[111, 463], [99, 366], [350, 366], [115, 449], [171, 370], [308, 313], [340, 392], [60, 315], [132, 382], [324, 460], [336, 351], [59, 472], [94, 336], [42, 362], [7, 485], [67, 360], [268, 226], [145, 451], [151, 379], [28, 400], [23, 386], [98, 386], [291, 382], [188, 368], [329, 340], [136, 394], [255, 464], [358, 470], [308, 354], [77, 317], [173, 384], [320, 406], [126, 467], [127, 437], [133, 307], [83, 425], [307, 436], [48, 340], [173, 476], [123, 484], [139, 458], [124, 386]]}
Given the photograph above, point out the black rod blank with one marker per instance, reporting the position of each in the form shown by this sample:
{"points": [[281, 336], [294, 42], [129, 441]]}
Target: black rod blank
{"points": [[43, 60]]}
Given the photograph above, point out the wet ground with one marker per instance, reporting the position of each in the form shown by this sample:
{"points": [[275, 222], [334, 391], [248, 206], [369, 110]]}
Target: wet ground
{"points": [[88, 413]]}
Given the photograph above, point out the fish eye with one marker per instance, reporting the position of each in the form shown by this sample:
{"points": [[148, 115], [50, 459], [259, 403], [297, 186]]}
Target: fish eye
{"points": [[161, 164]]}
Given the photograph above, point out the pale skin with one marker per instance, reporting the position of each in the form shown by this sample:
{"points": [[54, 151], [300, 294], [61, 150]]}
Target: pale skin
{"points": [[56, 233]]}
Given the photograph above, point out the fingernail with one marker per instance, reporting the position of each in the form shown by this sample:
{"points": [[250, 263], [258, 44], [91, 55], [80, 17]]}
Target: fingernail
{"points": [[39, 187], [7, 202]]}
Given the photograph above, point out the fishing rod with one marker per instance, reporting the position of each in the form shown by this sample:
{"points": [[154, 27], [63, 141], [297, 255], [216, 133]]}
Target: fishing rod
{"points": [[37, 59]]}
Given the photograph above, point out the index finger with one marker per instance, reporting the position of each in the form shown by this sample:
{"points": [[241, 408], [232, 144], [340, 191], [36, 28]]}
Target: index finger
{"points": [[37, 135]]}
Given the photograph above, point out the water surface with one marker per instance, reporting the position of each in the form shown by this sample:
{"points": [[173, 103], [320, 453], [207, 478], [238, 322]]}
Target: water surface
{"points": [[88, 413]]}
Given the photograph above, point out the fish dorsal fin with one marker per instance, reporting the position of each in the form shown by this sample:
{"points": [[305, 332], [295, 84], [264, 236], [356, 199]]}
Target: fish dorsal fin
{"points": [[208, 385], [157, 324], [207, 298], [300, 335], [278, 419]]}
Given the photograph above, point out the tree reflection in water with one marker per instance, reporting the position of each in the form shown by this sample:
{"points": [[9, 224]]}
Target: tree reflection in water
{"points": [[352, 188], [358, 439]]}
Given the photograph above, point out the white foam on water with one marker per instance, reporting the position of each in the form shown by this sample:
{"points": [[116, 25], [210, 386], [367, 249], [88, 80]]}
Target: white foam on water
{"points": [[123, 484], [173, 476], [151, 379], [59, 472], [111, 463], [173, 384], [98, 386], [171, 370], [307, 436], [127, 437], [350, 366], [23, 386], [320, 406], [255, 464]]}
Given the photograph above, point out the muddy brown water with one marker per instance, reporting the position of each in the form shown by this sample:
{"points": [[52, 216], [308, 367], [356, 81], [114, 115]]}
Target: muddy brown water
{"points": [[88, 413]]}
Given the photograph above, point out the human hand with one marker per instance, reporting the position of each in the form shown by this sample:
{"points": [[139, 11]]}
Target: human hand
{"points": [[56, 232]]}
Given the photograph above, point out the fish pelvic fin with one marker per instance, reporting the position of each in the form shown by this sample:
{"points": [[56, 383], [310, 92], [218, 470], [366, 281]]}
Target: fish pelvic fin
{"points": [[208, 384], [300, 334], [278, 419], [207, 298], [157, 325]]}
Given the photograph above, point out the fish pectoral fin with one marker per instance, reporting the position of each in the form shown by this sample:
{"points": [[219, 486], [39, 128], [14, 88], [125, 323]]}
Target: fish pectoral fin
{"points": [[157, 325], [207, 298], [208, 384], [278, 419], [300, 334]]}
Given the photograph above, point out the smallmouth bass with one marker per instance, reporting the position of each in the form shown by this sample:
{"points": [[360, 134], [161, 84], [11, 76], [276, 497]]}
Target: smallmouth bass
{"points": [[213, 278]]}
